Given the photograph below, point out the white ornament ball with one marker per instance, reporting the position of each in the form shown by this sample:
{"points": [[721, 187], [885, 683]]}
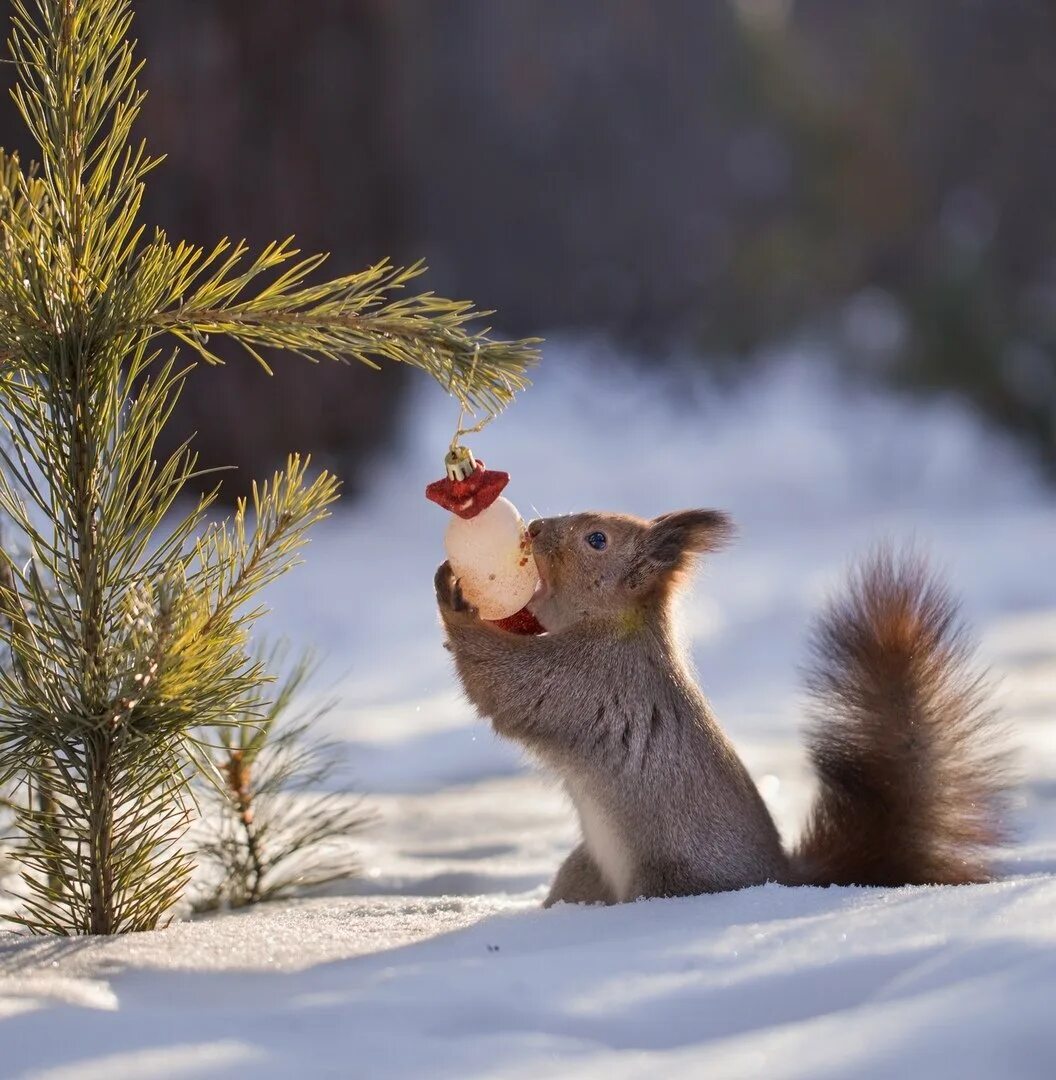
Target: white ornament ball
{"points": [[491, 554]]}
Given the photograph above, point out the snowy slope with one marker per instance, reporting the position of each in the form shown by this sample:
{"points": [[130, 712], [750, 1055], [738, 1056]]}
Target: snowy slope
{"points": [[438, 961]]}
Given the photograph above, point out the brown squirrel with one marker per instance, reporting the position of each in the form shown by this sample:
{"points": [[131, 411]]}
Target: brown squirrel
{"points": [[911, 784]]}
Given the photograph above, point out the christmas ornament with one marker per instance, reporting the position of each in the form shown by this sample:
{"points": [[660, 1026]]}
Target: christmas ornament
{"points": [[487, 543]]}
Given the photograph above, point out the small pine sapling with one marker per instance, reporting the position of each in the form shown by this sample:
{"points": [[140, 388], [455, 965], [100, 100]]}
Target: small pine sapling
{"points": [[272, 822], [125, 624]]}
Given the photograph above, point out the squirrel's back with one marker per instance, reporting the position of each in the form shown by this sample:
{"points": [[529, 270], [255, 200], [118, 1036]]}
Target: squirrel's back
{"points": [[911, 776]]}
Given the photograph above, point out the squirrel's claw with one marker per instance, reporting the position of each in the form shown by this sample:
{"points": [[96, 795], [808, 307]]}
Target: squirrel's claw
{"points": [[444, 582], [459, 602], [449, 592]]}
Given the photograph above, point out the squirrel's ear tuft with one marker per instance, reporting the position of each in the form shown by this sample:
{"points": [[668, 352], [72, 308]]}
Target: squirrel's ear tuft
{"points": [[672, 538], [684, 531]]}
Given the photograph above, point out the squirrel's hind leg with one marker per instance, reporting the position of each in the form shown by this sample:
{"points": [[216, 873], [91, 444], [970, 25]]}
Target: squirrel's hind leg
{"points": [[579, 881]]}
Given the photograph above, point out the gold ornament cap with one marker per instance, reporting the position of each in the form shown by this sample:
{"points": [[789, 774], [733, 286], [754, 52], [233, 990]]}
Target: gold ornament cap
{"points": [[459, 463]]}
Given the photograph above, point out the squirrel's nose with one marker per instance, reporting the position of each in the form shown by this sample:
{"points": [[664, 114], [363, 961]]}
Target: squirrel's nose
{"points": [[535, 528]]}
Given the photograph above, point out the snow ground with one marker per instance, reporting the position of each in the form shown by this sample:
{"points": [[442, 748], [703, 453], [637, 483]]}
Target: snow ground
{"points": [[438, 961]]}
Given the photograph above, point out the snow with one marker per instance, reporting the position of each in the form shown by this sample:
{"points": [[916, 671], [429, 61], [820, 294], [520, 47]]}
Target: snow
{"points": [[438, 961]]}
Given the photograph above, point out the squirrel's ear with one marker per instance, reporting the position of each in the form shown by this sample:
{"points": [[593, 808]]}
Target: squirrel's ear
{"points": [[671, 537]]}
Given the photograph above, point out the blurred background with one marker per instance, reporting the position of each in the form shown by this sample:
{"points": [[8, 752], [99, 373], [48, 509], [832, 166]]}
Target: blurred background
{"points": [[704, 180]]}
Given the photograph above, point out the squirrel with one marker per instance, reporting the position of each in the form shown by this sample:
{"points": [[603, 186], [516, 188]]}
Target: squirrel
{"points": [[911, 777]]}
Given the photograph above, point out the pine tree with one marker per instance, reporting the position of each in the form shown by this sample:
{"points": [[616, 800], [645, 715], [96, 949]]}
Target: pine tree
{"points": [[127, 632]]}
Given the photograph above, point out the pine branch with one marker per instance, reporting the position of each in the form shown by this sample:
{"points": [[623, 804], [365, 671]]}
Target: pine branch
{"points": [[357, 317]]}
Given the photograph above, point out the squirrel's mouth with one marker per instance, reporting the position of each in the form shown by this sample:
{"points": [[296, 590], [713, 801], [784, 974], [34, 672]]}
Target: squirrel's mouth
{"points": [[543, 588]]}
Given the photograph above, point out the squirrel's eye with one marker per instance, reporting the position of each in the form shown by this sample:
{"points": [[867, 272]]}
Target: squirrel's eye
{"points": [[598, 541]]}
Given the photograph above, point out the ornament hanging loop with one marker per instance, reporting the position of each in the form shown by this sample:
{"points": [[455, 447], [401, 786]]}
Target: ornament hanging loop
{"points": [[456, 454]]}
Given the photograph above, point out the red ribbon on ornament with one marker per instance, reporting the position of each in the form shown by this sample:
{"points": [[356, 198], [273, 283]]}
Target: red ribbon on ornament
{"points": [[469, 497]]}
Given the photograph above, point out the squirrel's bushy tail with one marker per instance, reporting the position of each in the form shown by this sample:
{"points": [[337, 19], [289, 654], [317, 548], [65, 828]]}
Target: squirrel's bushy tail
{"points": [[911, 776]]}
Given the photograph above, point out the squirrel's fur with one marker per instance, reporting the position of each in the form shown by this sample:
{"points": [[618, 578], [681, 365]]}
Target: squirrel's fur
{"points": [[904, 742], [911, 784]]}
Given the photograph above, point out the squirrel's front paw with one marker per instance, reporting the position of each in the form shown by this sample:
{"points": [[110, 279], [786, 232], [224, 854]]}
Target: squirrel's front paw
{"points": [[449, 596]]}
